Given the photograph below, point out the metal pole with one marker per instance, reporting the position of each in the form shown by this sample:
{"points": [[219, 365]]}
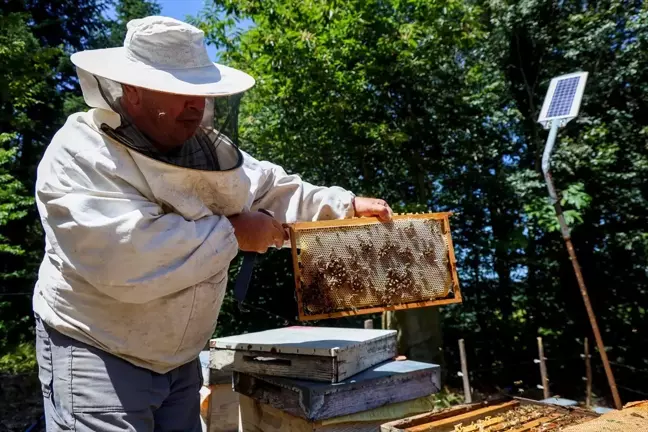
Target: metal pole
{"points": [[368, 324], [543, 370], [588, 376], [464, 372], [572, 256]]}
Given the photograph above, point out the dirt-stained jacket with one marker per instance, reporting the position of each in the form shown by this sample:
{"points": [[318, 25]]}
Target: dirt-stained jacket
{"points": [[137, 250]]}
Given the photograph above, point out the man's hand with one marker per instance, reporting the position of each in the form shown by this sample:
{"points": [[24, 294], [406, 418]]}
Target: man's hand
{"points": [[372, 207], [256, 231]]}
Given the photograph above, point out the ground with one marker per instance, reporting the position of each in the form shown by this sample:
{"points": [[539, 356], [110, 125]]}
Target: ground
{"points": [[21, 402]]}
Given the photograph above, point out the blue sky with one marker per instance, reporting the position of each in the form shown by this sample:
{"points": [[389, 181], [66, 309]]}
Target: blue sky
{"points": [[180, 9]]}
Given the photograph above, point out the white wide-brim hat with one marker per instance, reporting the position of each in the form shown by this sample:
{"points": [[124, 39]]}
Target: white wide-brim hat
{"points": [[166, 55]]}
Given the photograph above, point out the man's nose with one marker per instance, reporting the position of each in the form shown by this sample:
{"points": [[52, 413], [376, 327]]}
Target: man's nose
{"points": [[197, 103]]}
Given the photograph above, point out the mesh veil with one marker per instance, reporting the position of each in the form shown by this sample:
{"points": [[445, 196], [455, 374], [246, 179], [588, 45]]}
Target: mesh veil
{"points": [[220, 118]]}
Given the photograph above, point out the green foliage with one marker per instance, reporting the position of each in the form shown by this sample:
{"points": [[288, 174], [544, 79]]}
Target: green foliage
{"points": [[21, 360], [433, 106], [430, 105], [38, 90], [13, 200]]}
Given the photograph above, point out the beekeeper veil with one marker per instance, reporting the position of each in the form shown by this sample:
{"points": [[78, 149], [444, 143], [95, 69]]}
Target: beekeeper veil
{"points": [[220, 115], [165, 55]]}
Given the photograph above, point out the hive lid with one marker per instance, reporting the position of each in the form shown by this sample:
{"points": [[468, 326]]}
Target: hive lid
{"points": [[315, 341]]}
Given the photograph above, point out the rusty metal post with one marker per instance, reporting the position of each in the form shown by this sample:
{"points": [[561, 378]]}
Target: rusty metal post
{"points": [[574, 260]]}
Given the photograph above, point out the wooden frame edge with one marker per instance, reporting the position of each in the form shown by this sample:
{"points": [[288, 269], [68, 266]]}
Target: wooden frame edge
{"points": [[453, 260], [296, 270], [370, 310], [334, 223]]}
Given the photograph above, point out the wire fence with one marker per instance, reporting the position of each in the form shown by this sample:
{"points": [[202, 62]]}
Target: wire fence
{"points": [[562, 360]]}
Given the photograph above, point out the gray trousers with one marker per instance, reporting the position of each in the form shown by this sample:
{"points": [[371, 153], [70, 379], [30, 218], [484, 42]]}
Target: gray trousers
{"points": [[87, 389]]}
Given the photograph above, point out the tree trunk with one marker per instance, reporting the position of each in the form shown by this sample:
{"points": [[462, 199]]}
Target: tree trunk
{"points": [[419, 333]]}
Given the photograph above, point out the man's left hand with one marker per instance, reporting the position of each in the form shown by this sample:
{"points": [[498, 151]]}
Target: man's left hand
{"points": [[372, 207]]}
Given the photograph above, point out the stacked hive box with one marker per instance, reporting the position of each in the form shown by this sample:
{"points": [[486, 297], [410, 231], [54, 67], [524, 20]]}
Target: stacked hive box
{"points": [[324, 379]]}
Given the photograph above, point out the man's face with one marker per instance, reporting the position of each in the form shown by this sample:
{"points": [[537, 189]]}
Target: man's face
{"points": [[167, 119]]}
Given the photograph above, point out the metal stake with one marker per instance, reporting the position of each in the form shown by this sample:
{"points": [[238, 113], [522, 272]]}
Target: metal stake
{"points": [[464, 372], [543, 370], [572, 256], [588, 376]]}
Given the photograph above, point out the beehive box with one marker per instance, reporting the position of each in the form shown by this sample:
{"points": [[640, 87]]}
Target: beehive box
{"points": [[388, 383], [324, 354], [362, 265], [505, 415], [259, 417], [220, 411]]}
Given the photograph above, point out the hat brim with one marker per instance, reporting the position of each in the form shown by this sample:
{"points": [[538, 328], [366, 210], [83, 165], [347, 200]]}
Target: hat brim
{"points": [[214, 80]]}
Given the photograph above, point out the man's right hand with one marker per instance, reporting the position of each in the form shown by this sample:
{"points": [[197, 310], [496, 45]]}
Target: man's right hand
{"points": [[256, 231]]}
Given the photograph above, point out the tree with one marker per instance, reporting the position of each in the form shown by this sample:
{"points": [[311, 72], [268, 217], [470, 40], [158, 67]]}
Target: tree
{"points": [[39, 89], [433, 106], [26, 91]]}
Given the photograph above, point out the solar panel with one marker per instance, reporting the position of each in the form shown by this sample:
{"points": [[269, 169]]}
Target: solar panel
{"points": [[563, 97]]}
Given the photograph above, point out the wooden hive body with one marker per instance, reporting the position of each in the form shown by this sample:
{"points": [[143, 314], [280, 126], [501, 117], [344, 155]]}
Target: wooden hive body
{"points": [[387, 383], [361, 265], [324, 354]]}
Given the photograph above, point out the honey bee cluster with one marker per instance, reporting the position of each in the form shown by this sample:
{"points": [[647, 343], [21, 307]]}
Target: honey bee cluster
{"points": [[406, 254], [387, 248], [429, 253], [368, 266], [410, 231], [399, 279], [366, 246], [334, 271]]}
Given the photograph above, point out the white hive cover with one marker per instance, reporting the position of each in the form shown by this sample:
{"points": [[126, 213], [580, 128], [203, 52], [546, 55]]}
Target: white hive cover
{"points": [[320, 341]]}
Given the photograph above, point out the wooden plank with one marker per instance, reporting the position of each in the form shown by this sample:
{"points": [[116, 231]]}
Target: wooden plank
{"points": [[447, 424], [315, 368], [364, 221], [535, 423], [403, 424], [224, 410], [389, 383], [258, 417]]}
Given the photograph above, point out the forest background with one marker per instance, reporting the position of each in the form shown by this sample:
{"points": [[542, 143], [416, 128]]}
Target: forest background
{"points": [[431, 105]]}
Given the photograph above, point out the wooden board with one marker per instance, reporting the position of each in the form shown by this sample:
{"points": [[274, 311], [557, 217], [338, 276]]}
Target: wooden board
{"points": [[311, 353], [445, 420], [388, 383], [258, 417], [224, 409]]}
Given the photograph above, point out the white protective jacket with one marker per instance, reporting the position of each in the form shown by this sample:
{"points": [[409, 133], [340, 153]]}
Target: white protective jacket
{"points": [[137, 250]]}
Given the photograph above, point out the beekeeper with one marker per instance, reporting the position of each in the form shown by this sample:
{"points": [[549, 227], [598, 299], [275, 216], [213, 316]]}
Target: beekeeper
{"points": [[144, 204]]}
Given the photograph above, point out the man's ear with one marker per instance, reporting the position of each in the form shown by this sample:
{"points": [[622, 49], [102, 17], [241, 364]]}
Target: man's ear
{"points": [[131, 94]]}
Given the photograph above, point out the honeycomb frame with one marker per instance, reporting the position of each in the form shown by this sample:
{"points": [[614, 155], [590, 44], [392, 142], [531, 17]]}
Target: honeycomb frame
{"points": [[363, 265]]}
